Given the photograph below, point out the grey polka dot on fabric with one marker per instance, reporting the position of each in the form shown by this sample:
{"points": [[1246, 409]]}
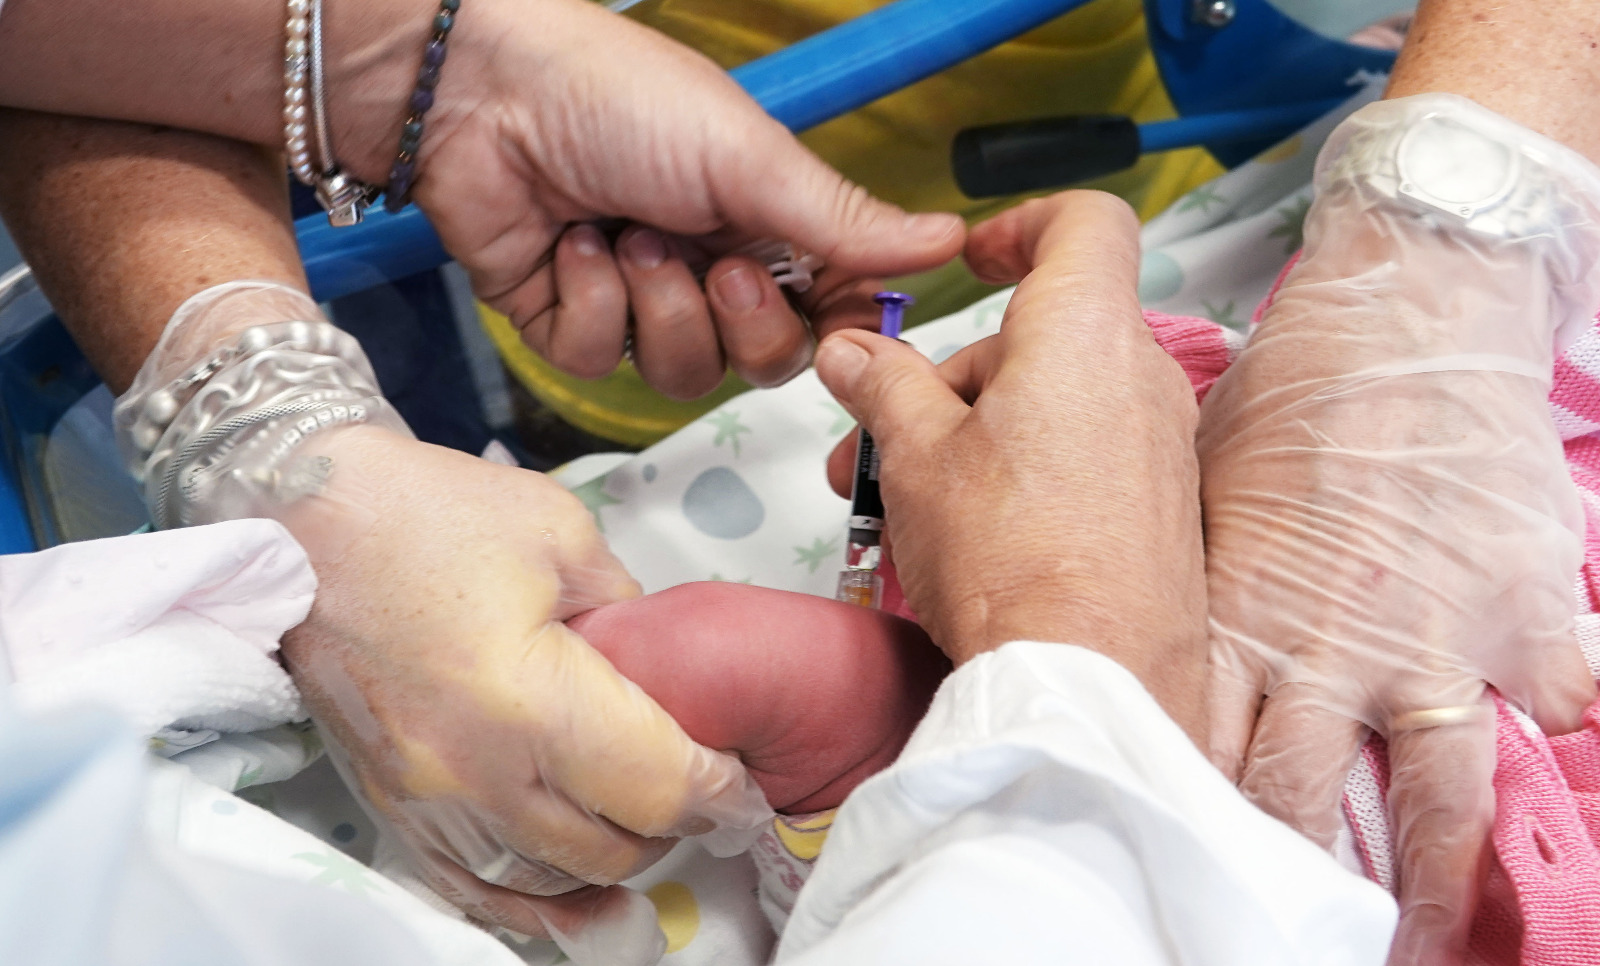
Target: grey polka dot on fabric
{"points": [[721, 504], [648, 472], [344, 832]]}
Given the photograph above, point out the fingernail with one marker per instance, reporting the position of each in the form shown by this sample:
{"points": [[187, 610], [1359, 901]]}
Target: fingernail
{"points": [[646, 249], [696, 826], [739, 290], [586, 240], [840, 363], [800, 363], [932, 228]]}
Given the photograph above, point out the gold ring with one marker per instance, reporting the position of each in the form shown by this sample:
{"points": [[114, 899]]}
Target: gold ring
{"points": [[1437, 717]]}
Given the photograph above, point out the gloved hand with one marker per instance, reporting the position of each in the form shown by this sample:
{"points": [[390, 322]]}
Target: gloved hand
{"points": [[513, 760], [511, 756], [1389, 519], [1041, 484], [559, 113]]}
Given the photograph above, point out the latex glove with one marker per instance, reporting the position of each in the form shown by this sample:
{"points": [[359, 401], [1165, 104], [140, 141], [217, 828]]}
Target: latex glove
{"points": [[512, 758], [1390, 523], [558, 112], [814, 695], [1041, 484]]}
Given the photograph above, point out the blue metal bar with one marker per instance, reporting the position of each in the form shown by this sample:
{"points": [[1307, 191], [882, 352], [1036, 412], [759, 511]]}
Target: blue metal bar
{"points": [[16, 536], [878, 53], [1228, 126], [343, 261], [812, 81]]}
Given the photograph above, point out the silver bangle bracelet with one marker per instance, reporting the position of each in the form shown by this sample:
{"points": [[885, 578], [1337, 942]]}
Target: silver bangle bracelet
{"points": [[186, 473], [160, 408]]}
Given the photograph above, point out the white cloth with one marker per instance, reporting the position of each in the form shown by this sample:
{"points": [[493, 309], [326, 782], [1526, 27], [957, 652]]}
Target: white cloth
{"points": [[109, 858], [176, 630], [1047, 811]]}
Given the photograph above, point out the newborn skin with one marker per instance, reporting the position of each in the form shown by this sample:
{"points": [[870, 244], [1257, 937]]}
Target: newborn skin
{"points": [[812, 694]]}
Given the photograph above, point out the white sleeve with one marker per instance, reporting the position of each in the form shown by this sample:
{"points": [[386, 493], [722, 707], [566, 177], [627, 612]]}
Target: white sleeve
{"points": [[1047, 811]]}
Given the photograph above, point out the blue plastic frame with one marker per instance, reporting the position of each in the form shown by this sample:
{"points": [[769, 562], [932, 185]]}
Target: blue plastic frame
{"points": [[1260, 59], [1211, 72]]}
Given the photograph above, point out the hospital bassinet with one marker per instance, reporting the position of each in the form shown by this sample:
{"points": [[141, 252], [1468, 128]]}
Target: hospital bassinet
{"points": [[1240, 73]]}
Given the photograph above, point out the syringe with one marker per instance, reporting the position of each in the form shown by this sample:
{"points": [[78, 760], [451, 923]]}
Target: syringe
{"points": [[859, 582]]}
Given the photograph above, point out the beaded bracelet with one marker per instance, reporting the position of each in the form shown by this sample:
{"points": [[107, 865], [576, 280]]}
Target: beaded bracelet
{"points": [[296, 71], [402, 173], [310, 152]]}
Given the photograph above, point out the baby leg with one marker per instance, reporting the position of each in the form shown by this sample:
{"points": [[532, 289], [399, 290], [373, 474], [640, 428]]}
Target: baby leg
{"points": [[813, 695]]}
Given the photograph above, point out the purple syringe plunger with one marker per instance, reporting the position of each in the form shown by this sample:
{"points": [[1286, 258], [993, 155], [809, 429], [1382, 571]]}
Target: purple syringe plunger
{"points": [[894, 312]]}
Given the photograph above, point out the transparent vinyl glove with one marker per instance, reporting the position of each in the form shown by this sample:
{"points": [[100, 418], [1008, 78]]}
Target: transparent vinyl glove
{"points": [[523, 775], [1390, 525]]}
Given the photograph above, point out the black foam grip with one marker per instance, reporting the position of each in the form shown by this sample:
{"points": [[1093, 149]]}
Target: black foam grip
{"points": [[1008, 159]]}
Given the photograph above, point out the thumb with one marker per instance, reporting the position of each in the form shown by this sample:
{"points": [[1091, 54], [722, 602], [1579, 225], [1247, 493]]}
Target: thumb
{"points": [[889, 387], [771, 186]]}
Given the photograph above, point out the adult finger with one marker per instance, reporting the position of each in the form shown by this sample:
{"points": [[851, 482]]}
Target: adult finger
{"points": [[582, 332], [965, 373], [968, 371], [1551, 683], [1079, 300], [768, 185], [999, 251], [1441, 799], [625, 759], [550, 845], [891, 388], [610, 925], [675, 343], [767, 344], [1298, 761], [1234, 697], [842, 464], [836, 302], [1010, 245]]}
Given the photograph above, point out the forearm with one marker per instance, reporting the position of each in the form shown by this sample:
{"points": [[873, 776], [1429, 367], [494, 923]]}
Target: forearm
{"points": [[122, 222], [1534, 63], [214, 67]]}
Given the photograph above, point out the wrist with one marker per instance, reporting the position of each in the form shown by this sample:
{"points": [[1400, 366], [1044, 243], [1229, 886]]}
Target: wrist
{"points": [[1441, 228], [373, 74], [218, 421], [372, 53]]}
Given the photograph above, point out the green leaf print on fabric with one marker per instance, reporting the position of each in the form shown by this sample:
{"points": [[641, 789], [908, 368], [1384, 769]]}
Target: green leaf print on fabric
{"points": [[1223, 315], [1291, 227], [1202, 198], [249, 777], [728, 428], [989, 315], [340, 871], [815, 555], [595, 498], [841, 419]]}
